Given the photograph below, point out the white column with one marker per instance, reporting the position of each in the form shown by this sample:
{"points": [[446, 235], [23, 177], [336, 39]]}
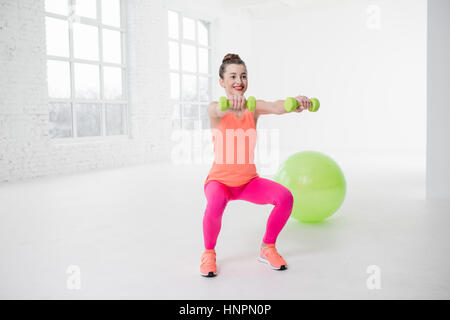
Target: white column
{"points": [[438, 100]]}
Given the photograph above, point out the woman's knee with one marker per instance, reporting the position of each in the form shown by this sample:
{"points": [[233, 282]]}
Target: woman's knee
{"points": [[272, 192], [285, 197], [217, 196], [217, 203]]}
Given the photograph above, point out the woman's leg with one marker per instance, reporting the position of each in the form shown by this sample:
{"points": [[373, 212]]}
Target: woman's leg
{"points": [[217, 196], [265, 191]]}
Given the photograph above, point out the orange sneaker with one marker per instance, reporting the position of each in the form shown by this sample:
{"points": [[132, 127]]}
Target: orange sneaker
{"points": [[208, 266], [270, 256]]}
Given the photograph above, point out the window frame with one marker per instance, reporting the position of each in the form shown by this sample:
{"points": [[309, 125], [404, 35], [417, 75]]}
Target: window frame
{"points": [[71, 18], [178, 103]]}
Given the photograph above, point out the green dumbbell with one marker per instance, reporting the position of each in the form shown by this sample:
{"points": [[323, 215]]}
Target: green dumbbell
{"points": [[290, 104], [224, 104]]}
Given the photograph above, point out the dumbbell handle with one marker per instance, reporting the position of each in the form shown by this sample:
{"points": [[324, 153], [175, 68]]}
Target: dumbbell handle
{"points": [[290, 104], [224, 103]]}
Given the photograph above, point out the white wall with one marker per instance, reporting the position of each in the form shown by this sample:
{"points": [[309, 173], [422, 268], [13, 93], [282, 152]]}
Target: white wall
{"points": [[371, 82], [364, 60], [438, 97]]}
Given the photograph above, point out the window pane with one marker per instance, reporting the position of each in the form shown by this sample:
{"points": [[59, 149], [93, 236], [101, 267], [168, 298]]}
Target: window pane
{"points": [[57, 6], [86, 8], [203, 60], [111, 46], [85, 41], [114, 119], [112, 83], [57, 37], [203, 87], [190, 111], [174, 56], [111, 12], [189, 88], [202, 32], [173, 24], [58, 79], [204, 117], [191, 124], [86, 77], [174, 86], [88, 119], [60, 120], [190, 116], [189, 59], [176, 117], [188, 29]]}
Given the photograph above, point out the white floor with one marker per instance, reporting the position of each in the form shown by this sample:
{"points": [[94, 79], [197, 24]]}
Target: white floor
{"points": [[135, 233]]}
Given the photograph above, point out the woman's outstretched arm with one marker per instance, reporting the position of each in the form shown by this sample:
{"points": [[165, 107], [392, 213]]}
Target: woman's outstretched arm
{"points": [[277, 107]]}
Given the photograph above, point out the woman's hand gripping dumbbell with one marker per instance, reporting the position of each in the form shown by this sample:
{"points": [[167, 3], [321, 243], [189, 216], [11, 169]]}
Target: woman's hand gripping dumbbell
{"points": [[225, 104], [291, 104]]}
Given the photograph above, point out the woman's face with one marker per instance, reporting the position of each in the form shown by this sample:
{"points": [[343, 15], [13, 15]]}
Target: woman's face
{"points": [[234, 79]]}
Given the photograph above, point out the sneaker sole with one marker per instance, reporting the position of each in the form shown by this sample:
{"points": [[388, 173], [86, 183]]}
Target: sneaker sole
{"points": [[209, 275], [283, 267]]}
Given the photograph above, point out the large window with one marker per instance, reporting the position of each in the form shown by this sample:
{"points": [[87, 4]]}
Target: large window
{"points": [[86, 68], [190, 77]]}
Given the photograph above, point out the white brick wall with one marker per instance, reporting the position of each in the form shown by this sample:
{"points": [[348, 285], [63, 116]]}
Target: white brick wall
{"points": [[26, 151]]}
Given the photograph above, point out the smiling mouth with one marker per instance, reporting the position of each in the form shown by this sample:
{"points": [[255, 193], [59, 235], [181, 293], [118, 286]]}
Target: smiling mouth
{"points": [[238, 88]]}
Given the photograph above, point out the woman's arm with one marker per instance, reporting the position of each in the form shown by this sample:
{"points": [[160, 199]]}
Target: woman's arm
{"points": [[266, 107], [277, 107]]}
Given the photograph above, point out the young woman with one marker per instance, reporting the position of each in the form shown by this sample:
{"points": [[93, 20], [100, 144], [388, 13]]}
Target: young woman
{"points": [[233, 174]]}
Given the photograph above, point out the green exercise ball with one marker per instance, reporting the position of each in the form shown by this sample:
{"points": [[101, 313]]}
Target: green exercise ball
{"points": [[316, 182]]}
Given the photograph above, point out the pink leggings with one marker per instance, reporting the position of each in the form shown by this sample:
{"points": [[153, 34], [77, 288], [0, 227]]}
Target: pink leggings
{"points": [[259, 191]]}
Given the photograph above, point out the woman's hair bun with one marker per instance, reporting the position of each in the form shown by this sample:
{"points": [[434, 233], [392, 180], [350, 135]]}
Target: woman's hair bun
{"points": [[231, 56]]}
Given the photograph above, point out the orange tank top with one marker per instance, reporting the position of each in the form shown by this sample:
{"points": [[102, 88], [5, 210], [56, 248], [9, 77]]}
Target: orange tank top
{"points": [[234, 147]]}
